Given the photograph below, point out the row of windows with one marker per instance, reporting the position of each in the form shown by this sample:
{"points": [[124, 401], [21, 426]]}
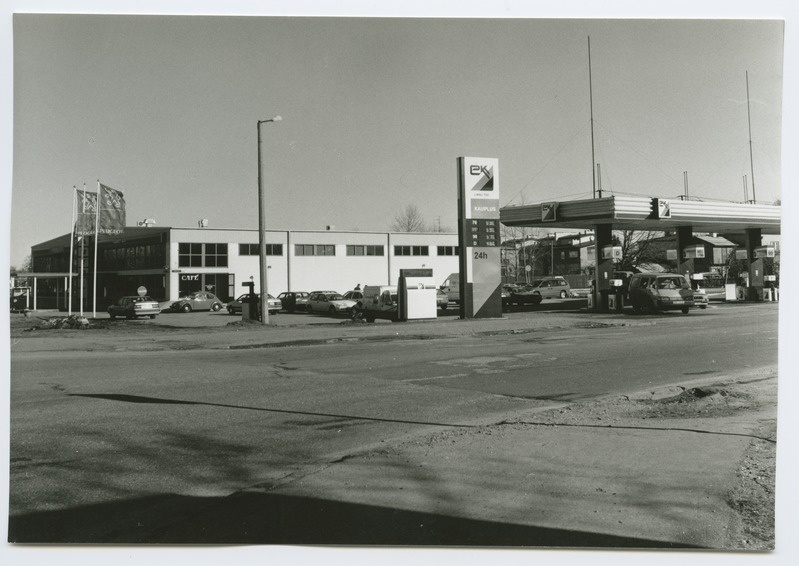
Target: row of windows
{"points": [[145, 256], [215, 255], [252, 249], [202, 255]]}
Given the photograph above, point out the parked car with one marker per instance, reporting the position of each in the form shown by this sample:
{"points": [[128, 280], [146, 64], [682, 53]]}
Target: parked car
{"points": [[712, 284], [442, 299], [134, 307], [552, 287], [197, 301], [506, 296], [329, 302], [379, 301], [354, 295], [451, 286], [235, 307], [701, 299], [523, 295], [294, 300], [660, 292]]}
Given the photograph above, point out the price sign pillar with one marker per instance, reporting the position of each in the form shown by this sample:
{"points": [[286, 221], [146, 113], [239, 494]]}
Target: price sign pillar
{"points": [[479, 237]]}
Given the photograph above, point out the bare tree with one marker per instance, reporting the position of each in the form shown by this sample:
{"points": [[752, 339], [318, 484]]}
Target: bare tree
{"points": [[409, 220], [636, 248]]}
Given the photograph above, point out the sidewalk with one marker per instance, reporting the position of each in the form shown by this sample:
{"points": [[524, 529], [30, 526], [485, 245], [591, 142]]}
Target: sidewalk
{"points": [[619, 473]]}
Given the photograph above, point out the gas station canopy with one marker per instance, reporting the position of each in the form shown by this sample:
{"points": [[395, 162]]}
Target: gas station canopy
{"points": [[644, 213]]}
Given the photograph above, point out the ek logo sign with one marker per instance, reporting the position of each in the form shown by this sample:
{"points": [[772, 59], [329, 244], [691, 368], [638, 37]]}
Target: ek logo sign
{"points": [[480, 170]]}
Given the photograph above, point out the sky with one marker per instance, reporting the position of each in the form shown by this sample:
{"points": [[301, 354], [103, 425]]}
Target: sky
{"points": [[375, 112]]}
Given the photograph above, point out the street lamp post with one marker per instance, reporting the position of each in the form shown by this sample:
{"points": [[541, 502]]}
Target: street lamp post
{"points": [[264, 302]]}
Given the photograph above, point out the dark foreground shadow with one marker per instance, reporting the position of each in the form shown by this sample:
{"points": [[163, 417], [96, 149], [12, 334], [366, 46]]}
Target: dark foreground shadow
{"points": [[262, 518]]}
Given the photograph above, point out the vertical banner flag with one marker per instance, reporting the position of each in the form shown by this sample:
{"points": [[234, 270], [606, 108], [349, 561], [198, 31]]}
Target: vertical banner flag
{"points": [[112, 211], [87, 213]]}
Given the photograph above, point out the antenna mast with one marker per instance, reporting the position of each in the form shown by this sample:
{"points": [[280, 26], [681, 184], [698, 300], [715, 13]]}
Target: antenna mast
{"points": [[591, 97], [749, 118]]}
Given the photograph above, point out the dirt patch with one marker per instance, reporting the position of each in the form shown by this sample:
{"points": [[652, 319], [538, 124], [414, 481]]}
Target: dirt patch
{"points": [[753, 495], [698, 402], [65, 325]]}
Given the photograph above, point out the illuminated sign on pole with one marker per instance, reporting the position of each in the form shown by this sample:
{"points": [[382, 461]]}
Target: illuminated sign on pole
{"points": [[479, 237]]}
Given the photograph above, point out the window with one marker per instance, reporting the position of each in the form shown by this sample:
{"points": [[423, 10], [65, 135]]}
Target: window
{"points": [[411, 250], [202, 255], [190, 255], [252, 249], [215, 255], [314, 249], [448, 250], [365, 250]]}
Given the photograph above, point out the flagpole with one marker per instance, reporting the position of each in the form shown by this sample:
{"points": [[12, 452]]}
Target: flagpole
{"points": [[72, 246], [96, 237], [82, 243]]}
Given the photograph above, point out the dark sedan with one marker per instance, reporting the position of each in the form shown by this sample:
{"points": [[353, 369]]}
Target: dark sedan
{"points": [[518, 295], [134, 307]]}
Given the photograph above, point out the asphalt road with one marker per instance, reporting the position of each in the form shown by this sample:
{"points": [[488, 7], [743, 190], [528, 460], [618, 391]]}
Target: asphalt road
{"points": [[118, 435]]}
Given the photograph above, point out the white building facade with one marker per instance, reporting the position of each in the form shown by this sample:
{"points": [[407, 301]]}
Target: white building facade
{"points": [[169, 262]]}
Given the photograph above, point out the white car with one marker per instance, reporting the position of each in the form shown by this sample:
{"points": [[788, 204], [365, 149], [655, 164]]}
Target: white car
{"points": [[329, 302]]}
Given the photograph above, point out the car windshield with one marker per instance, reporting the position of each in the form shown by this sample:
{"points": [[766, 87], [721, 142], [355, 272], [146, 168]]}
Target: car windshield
{"points": [[671, 283], [334, 297]]}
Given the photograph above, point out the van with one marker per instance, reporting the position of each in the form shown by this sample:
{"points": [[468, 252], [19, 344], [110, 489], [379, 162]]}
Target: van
{"points": [[555, 287], [660, 292], [452, 287], [379, 301]]}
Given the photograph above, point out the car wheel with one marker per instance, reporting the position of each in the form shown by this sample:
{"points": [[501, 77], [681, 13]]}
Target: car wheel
{"points": [[703, 307], [215, 307], [685, 310], [230, 310], [112, 316], [332, 311], [443, 307], [563, 294], [369, 318], [309, 309], [152, 316], [185, 308]]}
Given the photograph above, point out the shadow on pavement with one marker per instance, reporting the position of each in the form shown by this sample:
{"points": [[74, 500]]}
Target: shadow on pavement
{"points": [[263, 518]]}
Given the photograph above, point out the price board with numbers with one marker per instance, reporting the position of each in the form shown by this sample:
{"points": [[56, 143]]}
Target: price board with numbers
{"points": [[479, 237]]}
